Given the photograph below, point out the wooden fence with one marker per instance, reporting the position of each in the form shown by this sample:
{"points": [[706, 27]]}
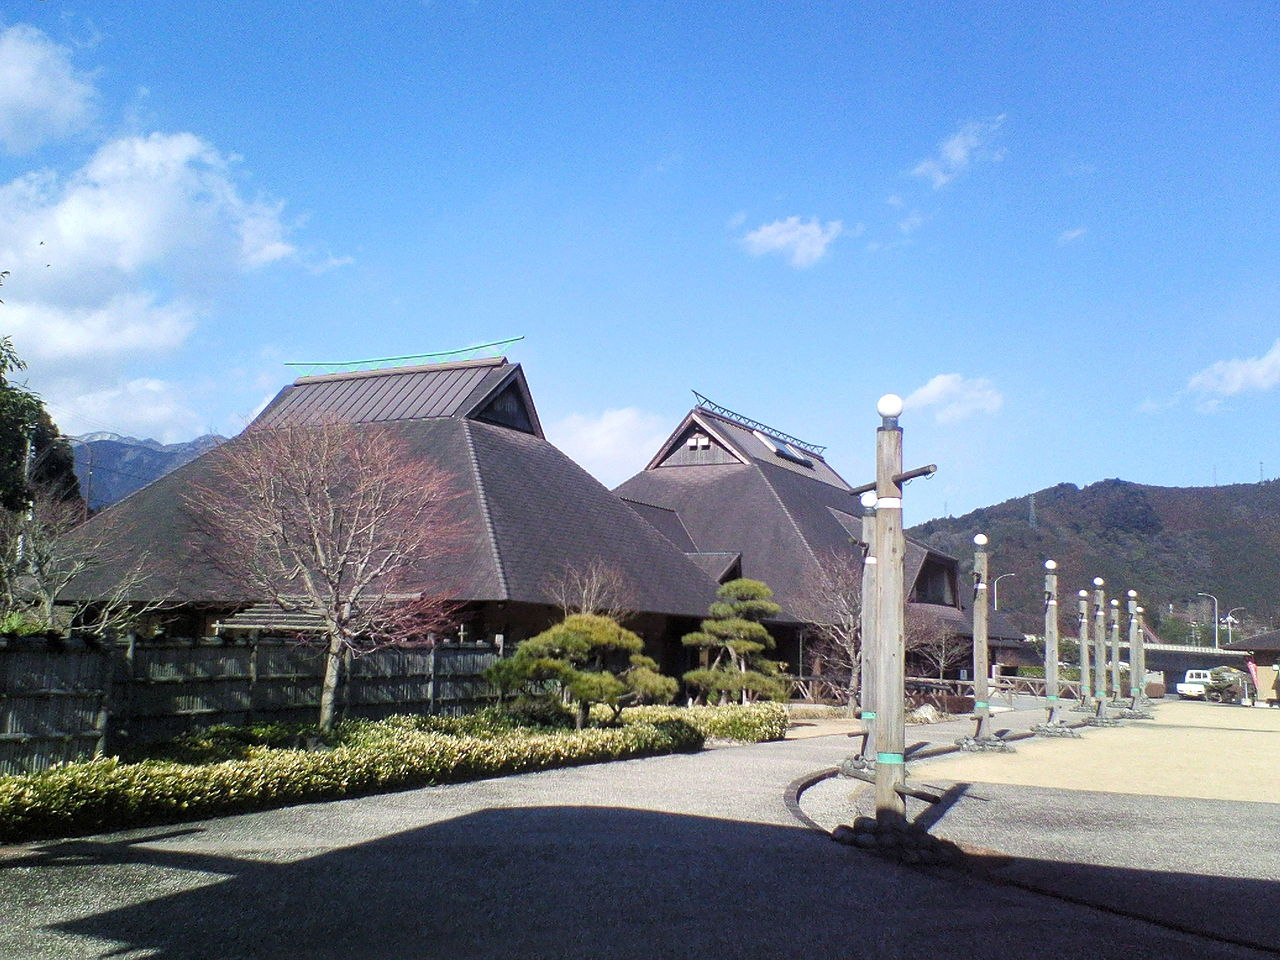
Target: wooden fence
{"points": [[64, 703]]}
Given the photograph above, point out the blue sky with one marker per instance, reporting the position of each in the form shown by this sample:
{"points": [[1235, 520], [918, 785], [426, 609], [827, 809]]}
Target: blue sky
{"points": [[1052, 230]]}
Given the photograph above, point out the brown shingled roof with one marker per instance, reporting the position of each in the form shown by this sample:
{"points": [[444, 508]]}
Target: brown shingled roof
{"points": [[404, 393]]}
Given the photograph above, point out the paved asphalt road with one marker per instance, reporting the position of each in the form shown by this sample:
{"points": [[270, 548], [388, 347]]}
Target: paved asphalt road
{"points": [[694, 856]]}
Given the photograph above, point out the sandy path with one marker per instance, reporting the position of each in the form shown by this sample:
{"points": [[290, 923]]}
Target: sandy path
{"points": [[1191, 749]]}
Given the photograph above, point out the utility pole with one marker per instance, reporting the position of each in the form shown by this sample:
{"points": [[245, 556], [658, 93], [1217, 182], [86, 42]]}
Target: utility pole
{"points": [[890, 600], [982, 738], [1100, 646], [1137, 663], [995, 590], [981, 652], [889, 829], [1215, 616], [1053, 725], [1100, 718], [1086, 701], [869, 649], [1116, 693]]}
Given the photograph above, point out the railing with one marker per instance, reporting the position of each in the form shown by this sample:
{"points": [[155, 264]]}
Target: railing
{"points": [[819, 689]]}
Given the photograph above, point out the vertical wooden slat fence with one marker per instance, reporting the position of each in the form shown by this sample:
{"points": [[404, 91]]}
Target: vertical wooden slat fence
{"points": [[59, 704], [52, 705]]}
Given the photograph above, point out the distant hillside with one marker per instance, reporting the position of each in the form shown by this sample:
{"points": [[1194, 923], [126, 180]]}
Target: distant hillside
{"points": [[1168, 543], [110, 467]]}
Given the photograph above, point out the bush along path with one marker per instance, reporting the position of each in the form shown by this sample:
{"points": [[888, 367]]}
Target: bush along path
{"points": [[368, 757]]}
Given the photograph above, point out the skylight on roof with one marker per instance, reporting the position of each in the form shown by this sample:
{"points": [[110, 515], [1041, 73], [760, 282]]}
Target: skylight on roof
{"points": [[783, 449]]}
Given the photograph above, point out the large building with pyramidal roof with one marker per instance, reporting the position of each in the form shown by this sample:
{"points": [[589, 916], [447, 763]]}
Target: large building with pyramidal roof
{"points": [[531, 511], [747, 500], [724, 497]]}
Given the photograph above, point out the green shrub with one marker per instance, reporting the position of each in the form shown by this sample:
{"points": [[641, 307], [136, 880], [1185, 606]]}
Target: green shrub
{"points": [[740, 723], [391, 754], [226, 742], [544, 712]]}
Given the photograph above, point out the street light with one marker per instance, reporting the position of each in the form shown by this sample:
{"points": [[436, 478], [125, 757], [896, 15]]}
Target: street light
{"points": [[1215, 616], [995, 590], [1231, 621]]}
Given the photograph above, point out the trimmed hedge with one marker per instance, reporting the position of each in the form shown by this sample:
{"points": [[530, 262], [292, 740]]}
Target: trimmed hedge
{"points": [[739, 723], [401, 752], [241, 769]]}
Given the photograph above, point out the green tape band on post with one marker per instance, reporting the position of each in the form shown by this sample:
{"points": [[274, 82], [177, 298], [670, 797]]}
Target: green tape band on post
{"points": [[1051, 699], [889, 758], [1099, 693], [868, 714], [980, 705]]}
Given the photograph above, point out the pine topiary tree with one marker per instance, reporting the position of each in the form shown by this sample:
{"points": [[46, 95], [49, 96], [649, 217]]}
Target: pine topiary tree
{"points": [[735, 641], [586, 659]]}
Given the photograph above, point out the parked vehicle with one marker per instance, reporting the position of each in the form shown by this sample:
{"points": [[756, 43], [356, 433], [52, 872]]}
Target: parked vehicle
{"points": [[1194, 684], [1219, 685]]}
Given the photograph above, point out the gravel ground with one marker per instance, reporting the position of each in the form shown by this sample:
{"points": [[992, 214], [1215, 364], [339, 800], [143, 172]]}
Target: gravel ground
{"points": [[690, 856], [1164, 836]]}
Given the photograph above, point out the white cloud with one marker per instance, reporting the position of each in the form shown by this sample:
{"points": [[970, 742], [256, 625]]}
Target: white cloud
{"points": [[911, 223], [141, 408], [1070, 236], [127, 323], [956, 397], [968, 145], [1227, 378], [805, 242], [613, 445], [42, 96], [90, 253]]}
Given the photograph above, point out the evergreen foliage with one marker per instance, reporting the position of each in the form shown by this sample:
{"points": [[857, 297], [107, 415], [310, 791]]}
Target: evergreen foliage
{"points": [[20, 411], [735, 641], [586, 659], [28, 435]]}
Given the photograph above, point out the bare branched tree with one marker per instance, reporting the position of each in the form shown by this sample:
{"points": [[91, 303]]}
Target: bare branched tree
{"points": [[831, 601], [45, 550], [596, 587], [338, 521], [932, 642]]}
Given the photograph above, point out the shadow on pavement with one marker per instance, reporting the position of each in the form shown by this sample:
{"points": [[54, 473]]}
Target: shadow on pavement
{"points": [[602, 882]]}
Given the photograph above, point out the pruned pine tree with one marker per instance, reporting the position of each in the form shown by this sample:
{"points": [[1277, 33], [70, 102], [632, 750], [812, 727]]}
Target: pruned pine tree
{"points": [[735, 642], [586, 659]]}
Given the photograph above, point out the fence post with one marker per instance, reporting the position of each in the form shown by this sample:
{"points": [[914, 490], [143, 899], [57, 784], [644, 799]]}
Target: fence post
{"points": [[130, 681], [431, 681], [253, 677], [107, 668]]}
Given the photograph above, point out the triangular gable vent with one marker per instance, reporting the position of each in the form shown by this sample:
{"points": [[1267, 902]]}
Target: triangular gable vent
{"points": [[697, 446], [508, 409]]}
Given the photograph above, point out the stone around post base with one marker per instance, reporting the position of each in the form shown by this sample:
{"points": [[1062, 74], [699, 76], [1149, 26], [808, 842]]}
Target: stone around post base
{"points": [[1134, 713], [1055, 729], [1083, 708], [1103, 721], [984, 744], [851, 767], [902, 842]]}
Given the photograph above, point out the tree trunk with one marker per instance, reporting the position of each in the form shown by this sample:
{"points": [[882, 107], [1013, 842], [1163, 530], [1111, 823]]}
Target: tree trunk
{"points": [[853, 688], [329, 690]]}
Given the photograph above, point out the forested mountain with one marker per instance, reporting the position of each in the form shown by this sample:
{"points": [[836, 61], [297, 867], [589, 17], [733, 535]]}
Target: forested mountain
{"points": [[1168, 543], [111, 467]]}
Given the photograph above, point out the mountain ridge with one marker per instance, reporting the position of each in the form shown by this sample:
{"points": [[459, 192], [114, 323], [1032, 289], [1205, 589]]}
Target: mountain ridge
{"points": [[111, 466], [1167, 543]]}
